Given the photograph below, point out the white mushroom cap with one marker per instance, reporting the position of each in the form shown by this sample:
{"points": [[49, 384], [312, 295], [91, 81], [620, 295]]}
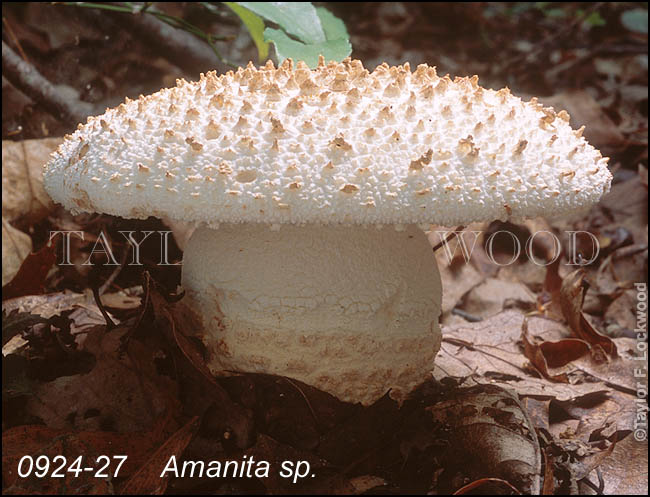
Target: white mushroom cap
{"points": [[332, 145]]}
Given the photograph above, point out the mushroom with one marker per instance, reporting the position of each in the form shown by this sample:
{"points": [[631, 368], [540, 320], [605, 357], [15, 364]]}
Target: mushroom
{"points": [[312, 187]]}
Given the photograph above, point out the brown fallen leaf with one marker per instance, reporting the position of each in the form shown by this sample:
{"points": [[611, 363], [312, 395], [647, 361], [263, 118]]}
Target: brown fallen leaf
{"points": [[492, 295], [361, 434], [643, 175], [621, 311], [23, 197], [177, 319], [30, 278], [16, 246], [84, 316], [47, 305], [571, 297], [123, 390], [537, 357], [543, 246], [357, 486], [492, 351], [538, 410], [580, 418], [549, 481], [288, 410], [563, 352], [599, 414], [493, 436], [625, 471], [591, 462], [123, 299], [457, 280], [489, 486], [549, 299], [572, 460], [616, 373], [268, 449], [15, 322], [38, 440], [148, 480], [527, 273], [626, 205]]}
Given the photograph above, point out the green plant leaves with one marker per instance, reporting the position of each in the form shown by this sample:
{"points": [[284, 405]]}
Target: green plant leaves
{"points": [[595, 19], [304, 33], [255, 26], [287, 48], [636, 20], [333, 27], [298, 19]]}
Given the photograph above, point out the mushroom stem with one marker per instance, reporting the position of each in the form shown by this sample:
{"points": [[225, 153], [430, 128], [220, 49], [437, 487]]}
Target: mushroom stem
{"points": [[352, 310]]}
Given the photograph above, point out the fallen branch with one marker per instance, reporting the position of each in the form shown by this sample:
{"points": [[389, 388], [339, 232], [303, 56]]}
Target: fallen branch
{"points": [[28, 80], [180, 42]]}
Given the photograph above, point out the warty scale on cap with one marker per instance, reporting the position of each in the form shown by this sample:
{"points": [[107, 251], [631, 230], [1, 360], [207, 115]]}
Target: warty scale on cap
{"points": [[337, 144]]}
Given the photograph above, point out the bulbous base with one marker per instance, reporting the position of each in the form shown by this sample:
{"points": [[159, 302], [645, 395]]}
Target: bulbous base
{"points": [[350, 310]]}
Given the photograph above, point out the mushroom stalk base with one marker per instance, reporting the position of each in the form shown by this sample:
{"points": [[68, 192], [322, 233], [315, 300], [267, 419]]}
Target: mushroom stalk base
{"points": [[350, 310]]}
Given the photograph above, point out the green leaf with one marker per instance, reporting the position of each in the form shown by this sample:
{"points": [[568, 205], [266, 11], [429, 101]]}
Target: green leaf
{"points": [[555, 13], [518, 8], [595, 19], [298, 19], [333, 27], [336, 47], [255, 26], [636, 20], [287, 48]]}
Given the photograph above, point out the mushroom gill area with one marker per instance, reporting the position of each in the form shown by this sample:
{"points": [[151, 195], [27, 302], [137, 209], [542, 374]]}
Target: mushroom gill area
{"points": [[350, 310]]}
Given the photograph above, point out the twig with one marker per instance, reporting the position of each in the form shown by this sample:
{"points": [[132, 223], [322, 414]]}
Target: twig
{"points": [[105, 286], [629, 251], [555, 36], [146, 290], [15, 40], [449, 237], [178, 39], [462, 343], [473, 486], [601, 483], [28, 80], [109, 322], [466, 315], [311, 409], [472, 370], [180, 47]]}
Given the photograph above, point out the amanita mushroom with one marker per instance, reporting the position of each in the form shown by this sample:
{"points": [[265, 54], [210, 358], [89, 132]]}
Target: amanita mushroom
{"points": [[310, 185]]}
